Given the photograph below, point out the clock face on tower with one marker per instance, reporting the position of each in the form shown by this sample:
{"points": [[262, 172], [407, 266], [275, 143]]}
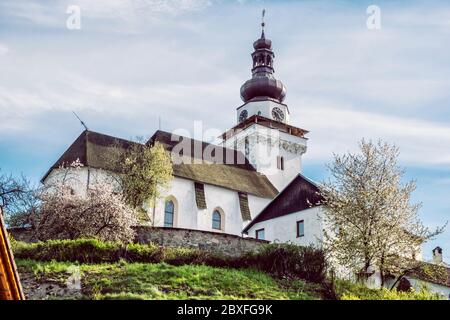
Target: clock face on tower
{"points": [[243, 115], [277, 114]]}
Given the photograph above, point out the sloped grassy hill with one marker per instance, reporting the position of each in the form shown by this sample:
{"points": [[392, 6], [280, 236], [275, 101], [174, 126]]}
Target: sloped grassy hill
{"points": [[122, 280], [90, 269]]}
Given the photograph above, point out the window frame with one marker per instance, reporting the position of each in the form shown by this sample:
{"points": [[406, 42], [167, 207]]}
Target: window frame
{"points": [[300, 222], [258, 231], [220, 221], [167, 212]]}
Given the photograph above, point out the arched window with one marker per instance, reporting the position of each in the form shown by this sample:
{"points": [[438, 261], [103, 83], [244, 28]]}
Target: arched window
{"points": [[217, 220], [169, 211]]}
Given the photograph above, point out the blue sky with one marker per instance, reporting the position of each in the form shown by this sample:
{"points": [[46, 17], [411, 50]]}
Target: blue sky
{"points": [[134, 61]]}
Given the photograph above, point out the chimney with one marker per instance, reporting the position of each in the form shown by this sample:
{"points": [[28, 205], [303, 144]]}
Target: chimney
{"points": [[437, 255]]}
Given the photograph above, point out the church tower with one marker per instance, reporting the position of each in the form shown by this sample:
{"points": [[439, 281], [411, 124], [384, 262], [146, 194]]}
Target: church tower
{"points": [[263, 131]]}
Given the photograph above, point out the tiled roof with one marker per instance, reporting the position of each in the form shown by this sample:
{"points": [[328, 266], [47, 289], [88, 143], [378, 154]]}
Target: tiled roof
{"points": [[433, 273], [93, 149]]}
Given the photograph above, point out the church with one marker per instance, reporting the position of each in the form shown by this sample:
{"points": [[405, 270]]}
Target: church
{"points": [[250, 185]]}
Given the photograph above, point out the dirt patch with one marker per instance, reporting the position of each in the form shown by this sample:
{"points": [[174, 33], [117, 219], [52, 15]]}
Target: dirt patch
{"points": [[47, 289]]}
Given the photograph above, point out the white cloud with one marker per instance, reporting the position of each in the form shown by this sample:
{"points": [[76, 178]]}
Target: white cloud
{"points": [[342, 85], [4, 49], [335, 128], [130, 16]]}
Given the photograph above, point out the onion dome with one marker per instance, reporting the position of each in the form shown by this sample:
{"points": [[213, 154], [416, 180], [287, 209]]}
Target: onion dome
{"points": [[263, 83]]}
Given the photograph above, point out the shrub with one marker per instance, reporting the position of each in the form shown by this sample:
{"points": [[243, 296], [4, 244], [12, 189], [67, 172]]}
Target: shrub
{"points": [[289, 260], [347, 290], [80, 250], [102, 213]]}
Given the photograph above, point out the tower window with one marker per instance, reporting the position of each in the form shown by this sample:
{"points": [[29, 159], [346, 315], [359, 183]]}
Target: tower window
{"points": [[300, 228], [280, 162]]}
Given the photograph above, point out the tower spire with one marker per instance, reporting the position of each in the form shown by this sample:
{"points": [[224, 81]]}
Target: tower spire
{"points": [[263, 24], [263, 83]]}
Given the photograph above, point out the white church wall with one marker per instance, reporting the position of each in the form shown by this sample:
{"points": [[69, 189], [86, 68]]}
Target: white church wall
{"points": [[190, 217], [284, 228], [256, 204], [227, 201], [78, 181], [80, 178], [182, 192]]}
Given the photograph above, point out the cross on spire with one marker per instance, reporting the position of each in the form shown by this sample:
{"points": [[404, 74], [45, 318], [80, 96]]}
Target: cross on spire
{"points": [[263, 24]]}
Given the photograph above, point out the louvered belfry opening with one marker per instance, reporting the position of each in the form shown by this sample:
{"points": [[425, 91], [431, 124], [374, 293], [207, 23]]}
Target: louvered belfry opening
{"points": [[200, 195], [245, 209]]}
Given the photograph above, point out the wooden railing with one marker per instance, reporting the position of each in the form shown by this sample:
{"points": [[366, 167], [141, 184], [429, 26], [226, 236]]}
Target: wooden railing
{"points": [[10, 287]]}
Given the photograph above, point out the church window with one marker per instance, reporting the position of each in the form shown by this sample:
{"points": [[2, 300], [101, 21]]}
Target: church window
{"points": [[300, 228], [217, 220], [260, 234], [169, 213]]}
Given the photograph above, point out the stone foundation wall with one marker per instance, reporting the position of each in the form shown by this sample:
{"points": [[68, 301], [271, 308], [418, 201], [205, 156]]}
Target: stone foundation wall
{"points": [[227, 244]]}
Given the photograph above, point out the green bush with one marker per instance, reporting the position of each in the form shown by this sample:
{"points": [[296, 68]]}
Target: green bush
{"points": [[289, 260], [81, 250], [347, 290], [95, 251], [281, 260]]}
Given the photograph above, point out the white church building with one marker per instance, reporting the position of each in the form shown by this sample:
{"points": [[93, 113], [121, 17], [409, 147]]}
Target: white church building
{"points": [[250, 185], [220, 188]]}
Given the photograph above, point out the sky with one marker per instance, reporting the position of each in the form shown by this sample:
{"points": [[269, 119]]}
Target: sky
{"points": [[137, 64]]}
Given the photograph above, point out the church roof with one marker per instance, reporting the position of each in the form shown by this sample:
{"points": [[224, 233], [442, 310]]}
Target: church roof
{"points": [[92, 149], [300, 194]]}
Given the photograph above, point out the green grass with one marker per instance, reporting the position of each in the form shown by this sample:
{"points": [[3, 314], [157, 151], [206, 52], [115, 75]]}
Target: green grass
{"points": [[124, 280]]}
